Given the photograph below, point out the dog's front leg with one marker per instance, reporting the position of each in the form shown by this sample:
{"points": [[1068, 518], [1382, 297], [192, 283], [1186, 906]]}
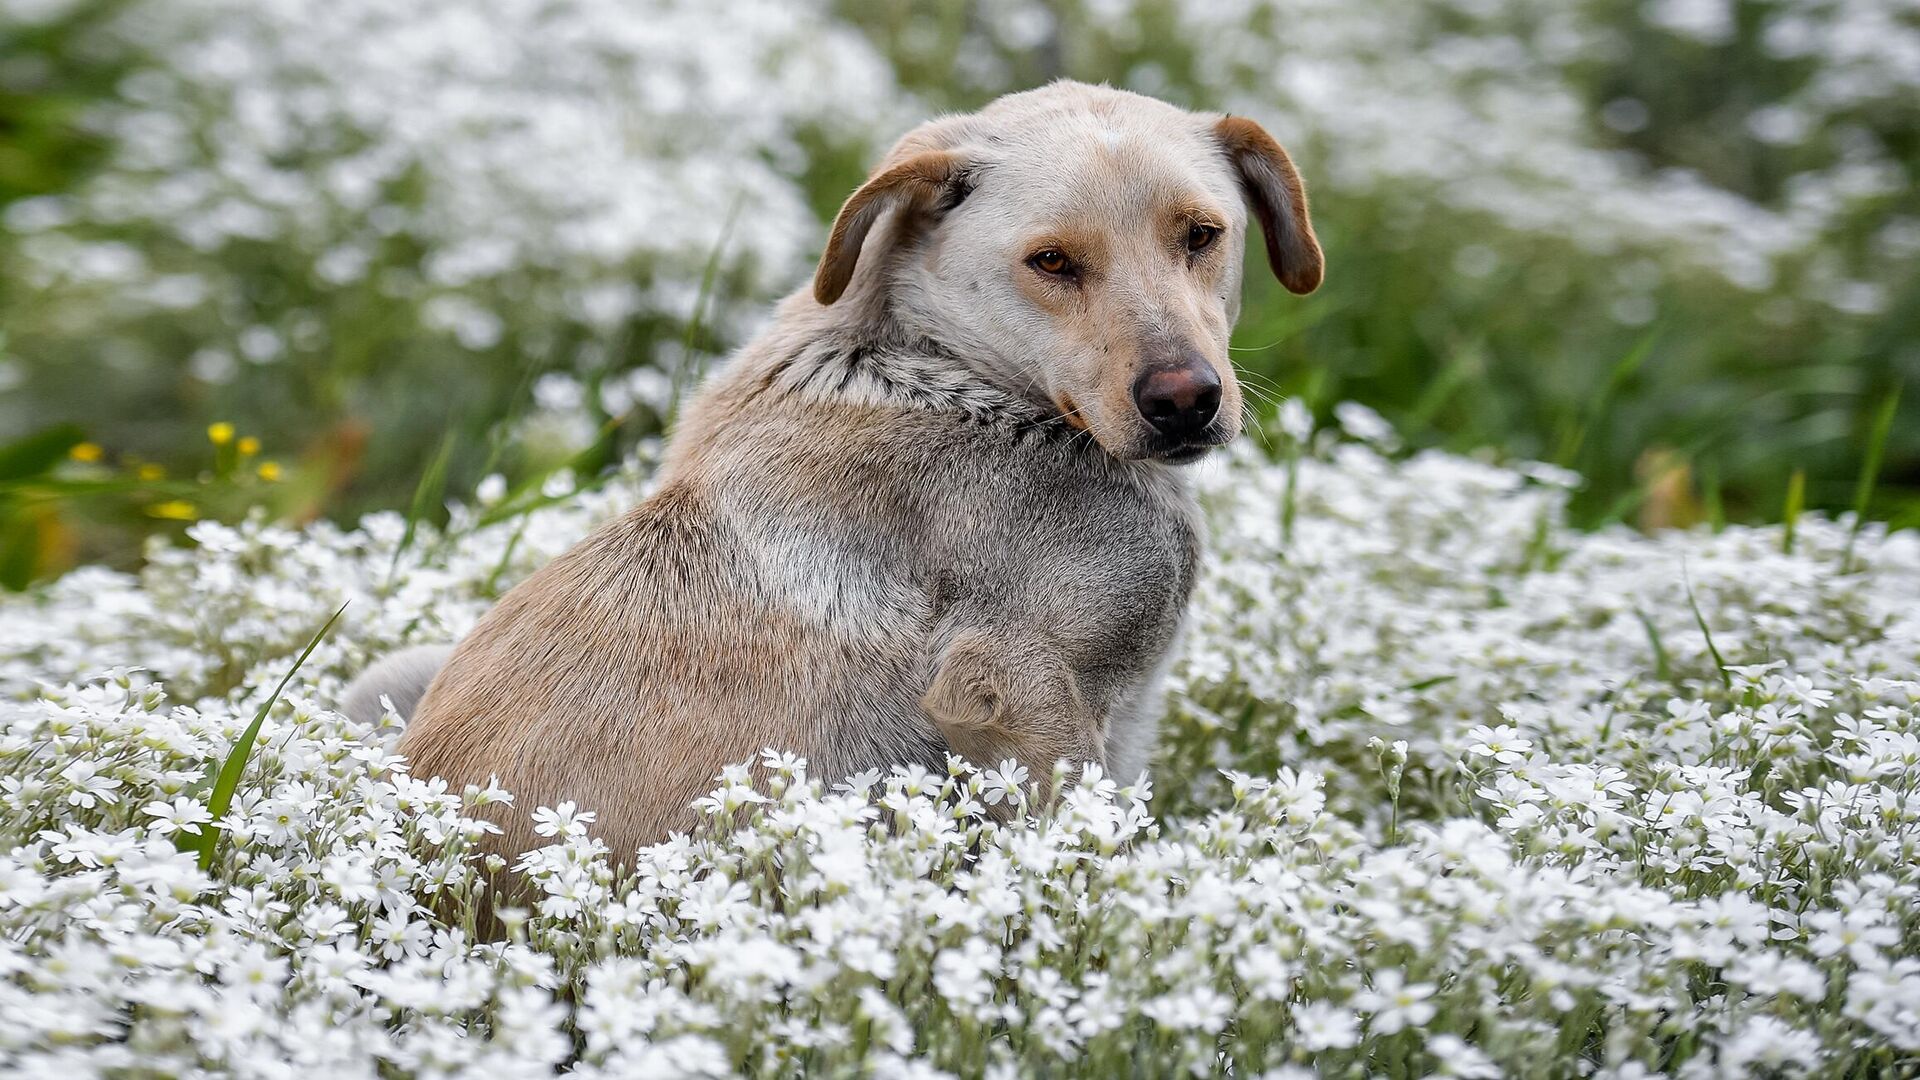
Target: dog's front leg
{"points": [[997, 694]]}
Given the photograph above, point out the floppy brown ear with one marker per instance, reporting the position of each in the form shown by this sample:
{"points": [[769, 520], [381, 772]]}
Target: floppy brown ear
{"points": [[1279, 201], [920, 180]]}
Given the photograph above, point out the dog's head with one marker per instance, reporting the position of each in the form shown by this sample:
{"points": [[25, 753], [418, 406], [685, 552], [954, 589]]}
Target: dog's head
{"points": [[1085, 243]]}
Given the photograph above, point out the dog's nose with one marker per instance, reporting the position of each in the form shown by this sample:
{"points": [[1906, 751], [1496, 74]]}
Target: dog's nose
{"points": [[1178, 401]]}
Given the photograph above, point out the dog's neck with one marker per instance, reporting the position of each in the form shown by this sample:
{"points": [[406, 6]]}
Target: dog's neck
{"points": [[893, 369], [924, 349], [907, 319]]}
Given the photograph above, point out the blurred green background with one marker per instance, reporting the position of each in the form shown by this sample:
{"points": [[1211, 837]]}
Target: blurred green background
{"points": [[300, 255]]}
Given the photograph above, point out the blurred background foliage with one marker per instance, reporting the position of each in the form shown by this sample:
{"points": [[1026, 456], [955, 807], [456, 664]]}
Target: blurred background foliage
{"points": [[300, 255]]}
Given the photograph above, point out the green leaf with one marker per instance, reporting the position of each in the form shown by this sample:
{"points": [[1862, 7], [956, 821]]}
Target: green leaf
{"points": [[19, 546], [39, 452], [226, 779]]}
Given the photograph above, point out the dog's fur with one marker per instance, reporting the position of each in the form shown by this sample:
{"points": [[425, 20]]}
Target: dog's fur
{"points": [[922, 512]]}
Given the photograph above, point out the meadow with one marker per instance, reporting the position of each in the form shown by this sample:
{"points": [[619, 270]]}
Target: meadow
{"points": [[1551, 700]]}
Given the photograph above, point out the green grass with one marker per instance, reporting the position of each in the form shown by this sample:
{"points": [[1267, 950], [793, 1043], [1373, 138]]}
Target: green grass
{"points": [[1870, 468], [427, 496], [1700, 620], [224, 779], [1795, 505]]}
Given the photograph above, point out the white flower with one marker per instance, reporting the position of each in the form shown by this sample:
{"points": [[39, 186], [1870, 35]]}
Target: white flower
{"points": [[1395, 1003], [1004, 783], [1457, 1058], [565, 819], [1562, 835], [1765, 1043], [1502, 743], [88, 787], [1325, 1026], [1295, 420], [491, 489], [1200, 1008], [182, 815], [1772, 973], [964, 976], [1364, 424]]}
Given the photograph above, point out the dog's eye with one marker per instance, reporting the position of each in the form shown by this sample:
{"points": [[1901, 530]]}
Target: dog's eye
{"points": [[1201, 237], [1052, 261]]}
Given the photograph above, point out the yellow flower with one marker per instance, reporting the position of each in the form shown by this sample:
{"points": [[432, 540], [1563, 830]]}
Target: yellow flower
{"points": [[150, 472], [269, 471], [174, 510], [86, 451], [249, 445], [220, 433]]}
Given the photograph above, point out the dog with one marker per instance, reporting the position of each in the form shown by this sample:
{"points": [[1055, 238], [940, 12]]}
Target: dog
{"points": [[936, 507]]}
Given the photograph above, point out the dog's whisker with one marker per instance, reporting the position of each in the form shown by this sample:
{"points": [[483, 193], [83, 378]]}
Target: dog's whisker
{"points": [[1265, 397], [1263, 393], [1250, 422], [1264, 381]]}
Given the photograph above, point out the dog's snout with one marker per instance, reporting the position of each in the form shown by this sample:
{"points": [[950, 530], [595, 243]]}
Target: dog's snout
{"points": [[1181, 400]]}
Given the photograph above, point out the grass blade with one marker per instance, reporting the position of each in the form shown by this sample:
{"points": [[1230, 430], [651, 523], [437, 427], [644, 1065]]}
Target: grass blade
{"points": [[1462, 366], [1796, 502], [1870, 471], [1700, 620], [227, 778], [1710, 495], [1662, 667], [433, 484], [1575, 438], [683, 372]]}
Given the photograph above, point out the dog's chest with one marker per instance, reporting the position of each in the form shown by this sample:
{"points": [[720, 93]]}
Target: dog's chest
{"points": [[935, 525], [1102, 554]]}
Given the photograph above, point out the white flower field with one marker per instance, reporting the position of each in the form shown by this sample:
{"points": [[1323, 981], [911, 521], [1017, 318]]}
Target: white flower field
{"points": [[1446, 789], [1451, 782]]}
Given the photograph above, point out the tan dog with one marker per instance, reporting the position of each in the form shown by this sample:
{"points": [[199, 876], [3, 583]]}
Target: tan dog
{"points": [[933, 507]]}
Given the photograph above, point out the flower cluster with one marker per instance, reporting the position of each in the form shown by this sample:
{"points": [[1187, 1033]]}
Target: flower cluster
{"points": [[1445, 788], [1534, 114], [356, 198], [431, 150]]}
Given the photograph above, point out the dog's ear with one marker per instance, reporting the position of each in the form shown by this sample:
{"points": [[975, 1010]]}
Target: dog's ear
{"points": [[927, 179], [1279, 201]]}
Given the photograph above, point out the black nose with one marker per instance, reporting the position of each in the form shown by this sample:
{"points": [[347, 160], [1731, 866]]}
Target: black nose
{"points": [[1178, 401]]}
